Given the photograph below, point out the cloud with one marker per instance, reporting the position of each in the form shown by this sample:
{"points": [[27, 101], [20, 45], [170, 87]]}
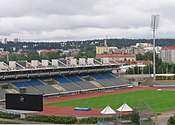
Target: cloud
{"points": [[62, 20]]}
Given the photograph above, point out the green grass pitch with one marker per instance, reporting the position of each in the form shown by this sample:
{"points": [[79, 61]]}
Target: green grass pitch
{"points": [[159, 101]]}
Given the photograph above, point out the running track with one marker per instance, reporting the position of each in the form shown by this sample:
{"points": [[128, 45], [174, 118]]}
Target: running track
{"points": [[69, 111]]}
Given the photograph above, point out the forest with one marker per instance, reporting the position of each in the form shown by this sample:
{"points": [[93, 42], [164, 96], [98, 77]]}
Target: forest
{"points": [[11, 46]]}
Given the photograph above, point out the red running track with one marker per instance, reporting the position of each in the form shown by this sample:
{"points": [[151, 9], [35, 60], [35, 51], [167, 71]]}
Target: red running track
{"points": [[69, 111]]}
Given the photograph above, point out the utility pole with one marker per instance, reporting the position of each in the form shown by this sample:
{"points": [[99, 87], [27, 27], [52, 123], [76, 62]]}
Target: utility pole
{"points": [[154, 26]]}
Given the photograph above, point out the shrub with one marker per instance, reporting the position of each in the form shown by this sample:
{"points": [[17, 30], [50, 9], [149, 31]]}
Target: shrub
{"points": [[135, 118], [94, 120], [90, 120], [53, 119], [171, 120], [8, 116]]}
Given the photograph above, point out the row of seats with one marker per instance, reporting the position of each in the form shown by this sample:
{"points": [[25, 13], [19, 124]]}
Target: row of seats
{"points": [[33, 82], [74, 82], [35, 86], [112, 78], [68, 83], [100, 78]]}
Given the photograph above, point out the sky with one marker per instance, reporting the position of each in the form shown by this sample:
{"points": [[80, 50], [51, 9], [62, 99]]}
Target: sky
{"points": [[62, 20]]}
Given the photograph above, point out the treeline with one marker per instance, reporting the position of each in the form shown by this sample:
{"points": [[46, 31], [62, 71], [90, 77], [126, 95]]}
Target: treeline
{"points": [[86, 52], [32, 55], [11, 46], [161, 67], [134, 117]]}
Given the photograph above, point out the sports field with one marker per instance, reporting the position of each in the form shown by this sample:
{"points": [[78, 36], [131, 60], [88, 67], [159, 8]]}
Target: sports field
{"points": [[159, 101]]}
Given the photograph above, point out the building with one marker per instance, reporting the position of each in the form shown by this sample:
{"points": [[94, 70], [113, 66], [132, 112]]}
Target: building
{"points": [[113, 49], [3, 54], [142, 45], [16, 40], [137, 62], [168, 54], [118, 57], [74, 52], [3, 41], [102, 49]]}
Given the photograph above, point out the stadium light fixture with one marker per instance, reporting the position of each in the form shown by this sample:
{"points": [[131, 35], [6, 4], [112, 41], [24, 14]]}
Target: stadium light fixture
{"points": [[154, 27]]}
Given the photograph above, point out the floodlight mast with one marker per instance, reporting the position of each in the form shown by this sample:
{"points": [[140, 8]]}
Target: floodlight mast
{"points": [[154, 26]]}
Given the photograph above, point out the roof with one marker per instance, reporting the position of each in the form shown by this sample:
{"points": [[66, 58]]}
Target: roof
{"points": [[48, 51], [124, 108], [108, 111], [168, 48], [146, 62], [115, 55]]}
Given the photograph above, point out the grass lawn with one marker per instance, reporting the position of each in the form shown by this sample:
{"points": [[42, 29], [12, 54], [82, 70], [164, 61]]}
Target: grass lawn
{"points": [[7, 122], [159, 101]]}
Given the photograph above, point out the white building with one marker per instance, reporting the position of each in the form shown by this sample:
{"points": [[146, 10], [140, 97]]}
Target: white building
{"points": [[142, 45], [168, 54], [3, 40], [150, 49], [16, 40]]}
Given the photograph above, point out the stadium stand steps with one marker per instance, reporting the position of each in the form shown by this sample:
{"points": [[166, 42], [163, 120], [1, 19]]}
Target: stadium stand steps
{"points": [[61, 79], [36, 82], [102, 80], [96, 84], [107, 75], [116, 80], [67, 84], [81, 83], [59, 88], [21, 84], [47, 89], [56, 85], [36, 86], [12, 91], [2, 94], [31, 90]]}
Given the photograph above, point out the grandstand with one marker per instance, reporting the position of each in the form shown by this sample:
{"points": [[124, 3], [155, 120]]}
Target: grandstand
{"points": [[57, 77], [67, 84], [102, 80]]}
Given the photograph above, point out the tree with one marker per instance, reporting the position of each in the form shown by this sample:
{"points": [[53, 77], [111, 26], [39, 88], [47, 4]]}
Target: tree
{"points": [[87, 52], [33, 56], [130, 71]]}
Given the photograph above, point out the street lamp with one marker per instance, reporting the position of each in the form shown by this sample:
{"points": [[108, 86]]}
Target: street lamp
{"points": [[154, 26]]}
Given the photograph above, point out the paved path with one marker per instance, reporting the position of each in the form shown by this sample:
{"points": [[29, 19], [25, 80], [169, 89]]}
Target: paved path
{"points": [[163, 118]]}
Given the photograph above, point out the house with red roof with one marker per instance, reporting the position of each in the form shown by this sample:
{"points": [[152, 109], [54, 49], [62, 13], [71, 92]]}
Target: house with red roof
{"points": [[118, 57]]}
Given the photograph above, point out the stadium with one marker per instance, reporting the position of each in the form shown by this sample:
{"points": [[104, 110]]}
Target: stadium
{"points": [[62, 77], [69, 83]]}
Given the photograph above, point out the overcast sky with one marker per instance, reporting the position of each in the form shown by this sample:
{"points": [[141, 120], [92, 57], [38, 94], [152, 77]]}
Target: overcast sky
{"points": [[63, 20]]}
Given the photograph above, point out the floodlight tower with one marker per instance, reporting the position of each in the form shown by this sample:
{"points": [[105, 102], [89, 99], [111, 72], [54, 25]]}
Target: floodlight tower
{"points": [[154, 26], [105, 41]]}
